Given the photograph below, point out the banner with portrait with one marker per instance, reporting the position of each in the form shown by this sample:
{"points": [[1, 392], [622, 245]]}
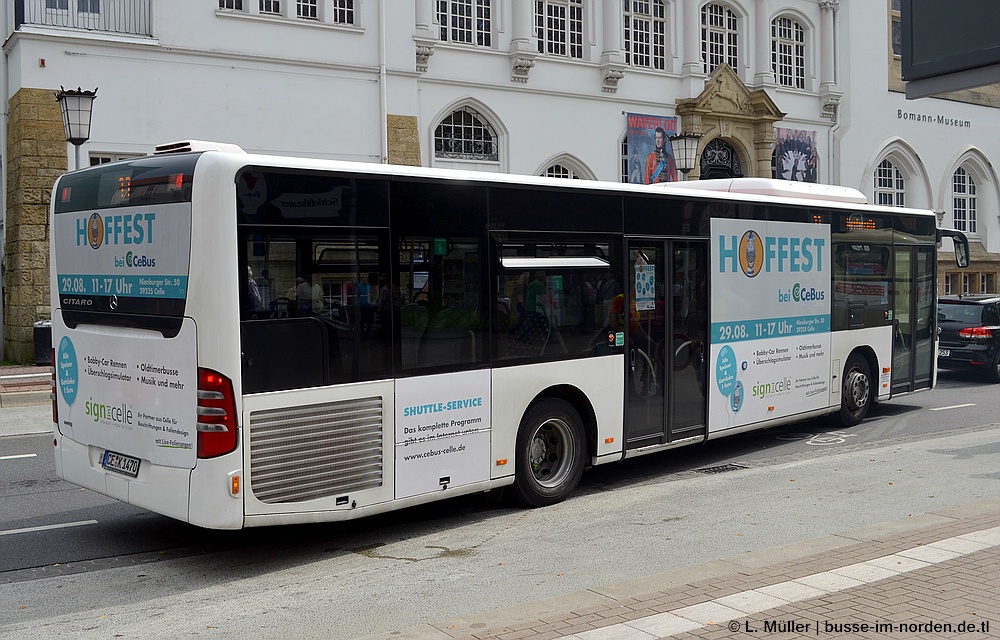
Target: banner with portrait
{"points": [[650, 154], [795, 156]]}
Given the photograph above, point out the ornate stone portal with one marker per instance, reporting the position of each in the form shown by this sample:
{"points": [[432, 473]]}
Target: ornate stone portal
{"points": [[736, 124]]}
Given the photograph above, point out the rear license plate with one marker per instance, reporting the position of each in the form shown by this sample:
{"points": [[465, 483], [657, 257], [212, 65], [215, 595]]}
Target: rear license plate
{"points": [[944, 353], [125, 465]]}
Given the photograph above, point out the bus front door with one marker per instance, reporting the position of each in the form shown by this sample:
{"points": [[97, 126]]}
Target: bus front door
{"points": [[665, 323], [913, 352]]}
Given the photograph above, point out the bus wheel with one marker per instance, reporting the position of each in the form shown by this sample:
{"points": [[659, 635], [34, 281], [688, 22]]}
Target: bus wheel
{"points": [[551, 452], [856, 396]]}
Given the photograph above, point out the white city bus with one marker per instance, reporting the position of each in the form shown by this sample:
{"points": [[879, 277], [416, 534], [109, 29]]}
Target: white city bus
{"points": [[242, 340]]}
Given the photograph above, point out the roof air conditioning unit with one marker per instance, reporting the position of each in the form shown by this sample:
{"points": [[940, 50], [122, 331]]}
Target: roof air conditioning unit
{"points": [[188, 146]]}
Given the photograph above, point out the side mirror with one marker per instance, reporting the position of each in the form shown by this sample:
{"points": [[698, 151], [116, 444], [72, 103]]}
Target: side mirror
{"points": [[961, 245]]}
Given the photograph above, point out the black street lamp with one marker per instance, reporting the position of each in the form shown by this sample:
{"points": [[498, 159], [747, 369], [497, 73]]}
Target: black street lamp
{"points": [[77, 106], [685, 148]]}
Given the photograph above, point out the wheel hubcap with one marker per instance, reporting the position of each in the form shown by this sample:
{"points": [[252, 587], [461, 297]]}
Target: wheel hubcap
{"points": [[857, 390], [550, 451]]}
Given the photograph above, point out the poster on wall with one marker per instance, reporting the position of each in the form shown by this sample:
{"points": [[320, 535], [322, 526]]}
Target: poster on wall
{"points": [[651, 156], [770, 354], [795, 156]]}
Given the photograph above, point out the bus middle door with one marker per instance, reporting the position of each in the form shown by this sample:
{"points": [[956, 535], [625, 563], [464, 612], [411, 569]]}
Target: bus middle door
{"points": [[664, 316]]}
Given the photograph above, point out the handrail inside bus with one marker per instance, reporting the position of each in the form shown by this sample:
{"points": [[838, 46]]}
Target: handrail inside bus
{"points": [[580, 262]]}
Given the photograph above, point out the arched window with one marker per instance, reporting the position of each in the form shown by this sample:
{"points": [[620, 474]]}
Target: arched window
{"points": [[963, 197], [719, 37], [889, 185], [720, 160], [466, 135], [560, 171], [645, 34], [788, 52], [566, 166]]}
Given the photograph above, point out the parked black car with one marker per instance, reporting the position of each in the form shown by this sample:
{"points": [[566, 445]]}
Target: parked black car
{"points": [[970, 333]]}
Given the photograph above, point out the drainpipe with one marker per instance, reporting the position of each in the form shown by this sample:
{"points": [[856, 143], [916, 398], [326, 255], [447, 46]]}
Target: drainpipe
{"points": [[383, 91]]}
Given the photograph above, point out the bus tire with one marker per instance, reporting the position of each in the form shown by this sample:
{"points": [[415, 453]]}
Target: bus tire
{"points": [[994, 372], [550, 455], [856, 395]]}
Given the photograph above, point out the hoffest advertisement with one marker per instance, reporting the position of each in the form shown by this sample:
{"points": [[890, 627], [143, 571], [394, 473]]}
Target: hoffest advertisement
{"points": [[770, 354], [129, 391]]}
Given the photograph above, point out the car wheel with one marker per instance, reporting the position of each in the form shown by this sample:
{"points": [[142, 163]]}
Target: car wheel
{"points": [[995, 368]]}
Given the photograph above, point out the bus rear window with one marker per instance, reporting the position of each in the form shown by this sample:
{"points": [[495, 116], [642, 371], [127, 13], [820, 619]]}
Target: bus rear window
{"points": [[141, 182], [122, 236]]}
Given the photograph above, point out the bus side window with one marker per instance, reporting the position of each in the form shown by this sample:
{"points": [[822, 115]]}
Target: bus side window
{"points": [[285, 353], [442, 324]]}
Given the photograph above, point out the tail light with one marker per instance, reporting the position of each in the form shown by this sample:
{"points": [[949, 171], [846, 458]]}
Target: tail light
{"points": [[976, 333], [216, 414], [52, 392]]}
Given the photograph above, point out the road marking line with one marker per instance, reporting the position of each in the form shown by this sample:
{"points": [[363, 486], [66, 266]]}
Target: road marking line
{"points": [[18, 456], [746, 603], [47, 527], [955, 406]]}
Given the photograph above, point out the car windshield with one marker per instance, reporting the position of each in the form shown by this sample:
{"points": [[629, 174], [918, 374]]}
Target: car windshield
{"points": [[966, 313]]}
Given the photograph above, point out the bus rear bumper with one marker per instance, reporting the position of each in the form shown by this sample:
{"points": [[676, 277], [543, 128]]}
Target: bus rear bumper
{"points": [[81, 465]]}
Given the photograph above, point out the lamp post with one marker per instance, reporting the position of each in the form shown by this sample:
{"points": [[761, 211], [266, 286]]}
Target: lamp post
{"points": [[685, 148], [77, 107]]}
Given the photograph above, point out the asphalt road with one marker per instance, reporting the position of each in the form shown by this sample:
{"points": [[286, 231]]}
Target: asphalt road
{"points": [[80, 565]]}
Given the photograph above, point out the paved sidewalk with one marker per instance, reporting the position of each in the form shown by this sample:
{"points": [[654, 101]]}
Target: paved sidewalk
{"points": [[24, 385], [934, 575]]}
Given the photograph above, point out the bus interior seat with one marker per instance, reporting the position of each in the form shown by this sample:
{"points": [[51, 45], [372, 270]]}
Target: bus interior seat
{"points": [[449, 338], [281, 307], [413, 323], [531, 336]]}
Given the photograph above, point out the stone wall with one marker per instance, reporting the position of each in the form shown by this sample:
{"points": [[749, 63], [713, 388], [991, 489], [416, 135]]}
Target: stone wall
{"points": [[36, 156], [403, 139]]}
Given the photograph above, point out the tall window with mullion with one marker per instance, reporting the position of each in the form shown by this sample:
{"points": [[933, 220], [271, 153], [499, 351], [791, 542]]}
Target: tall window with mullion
{"points": [[559, 27], [963, 189], [889, 185], [466, 21], [788, 52], [645, 27], [343, 12], [719, 37], [307, 9]]}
